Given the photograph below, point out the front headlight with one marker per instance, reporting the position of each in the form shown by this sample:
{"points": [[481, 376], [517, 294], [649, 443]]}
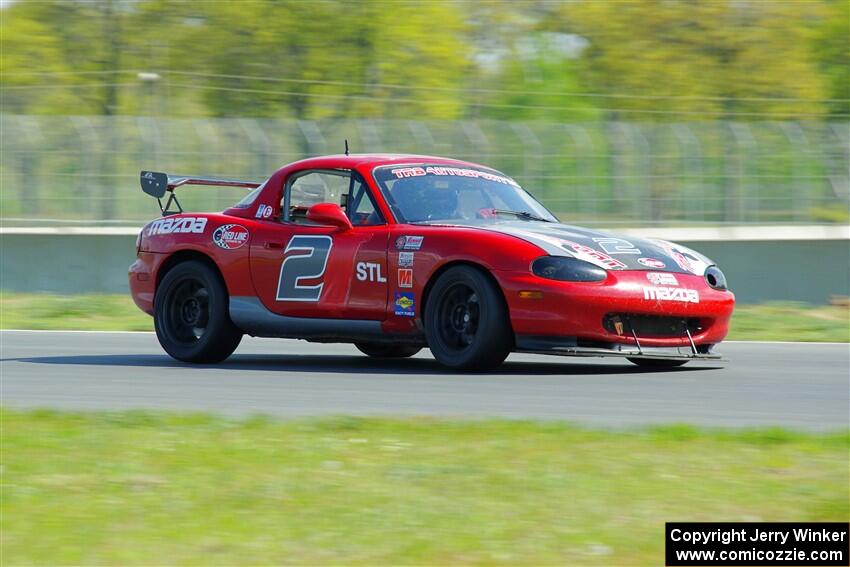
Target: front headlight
{"points": [[567, 269], [715, 278]]}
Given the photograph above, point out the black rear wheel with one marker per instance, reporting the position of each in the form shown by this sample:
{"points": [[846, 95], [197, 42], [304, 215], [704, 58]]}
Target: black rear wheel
{"points": [[387, 350], [191, 314], [660, 363], [466, 321]]}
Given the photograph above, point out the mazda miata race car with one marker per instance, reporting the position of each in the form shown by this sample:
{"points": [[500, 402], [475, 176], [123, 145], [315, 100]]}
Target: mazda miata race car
{"points": [[398, 252]]}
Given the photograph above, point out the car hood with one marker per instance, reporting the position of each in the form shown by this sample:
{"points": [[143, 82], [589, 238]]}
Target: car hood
{"points": [[604, 249]]}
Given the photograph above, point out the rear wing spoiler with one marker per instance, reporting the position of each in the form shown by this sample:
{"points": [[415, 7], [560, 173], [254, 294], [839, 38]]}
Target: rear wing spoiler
{"points": [[156, 184]]}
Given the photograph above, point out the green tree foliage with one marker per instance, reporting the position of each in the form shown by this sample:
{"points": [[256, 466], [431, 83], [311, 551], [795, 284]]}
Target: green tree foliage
{"points": [[41, 70], [251, 58], [327, 59], [557, 61], [706, 58], [539, 80], [831, 44]]}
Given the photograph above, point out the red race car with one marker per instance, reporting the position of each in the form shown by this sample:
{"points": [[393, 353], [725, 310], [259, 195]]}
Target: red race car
{"points": [[398, 252]]}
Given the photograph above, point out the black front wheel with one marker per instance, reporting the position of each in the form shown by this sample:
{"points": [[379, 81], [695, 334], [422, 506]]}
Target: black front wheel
{"points": [[466, 321], [656, 363], [191, 314], [387, 350]]}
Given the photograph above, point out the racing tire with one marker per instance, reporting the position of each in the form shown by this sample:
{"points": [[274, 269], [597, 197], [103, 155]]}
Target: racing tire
{"points": [[386, 350], [650, 363], [191, 315], [466, 321]]}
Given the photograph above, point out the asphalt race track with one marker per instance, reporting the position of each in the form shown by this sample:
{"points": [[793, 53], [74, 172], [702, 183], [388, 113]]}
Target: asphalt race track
{"points": [[796, 385]]}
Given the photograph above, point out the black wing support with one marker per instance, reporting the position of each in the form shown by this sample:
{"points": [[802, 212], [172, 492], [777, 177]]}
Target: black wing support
{"points": [[157, 184]]}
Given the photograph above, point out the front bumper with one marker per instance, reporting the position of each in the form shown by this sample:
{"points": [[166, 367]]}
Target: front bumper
{"points": [[579, 316]]}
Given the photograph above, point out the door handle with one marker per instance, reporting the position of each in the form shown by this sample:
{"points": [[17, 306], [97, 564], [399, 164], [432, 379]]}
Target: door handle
{"points": [[273, 245]]}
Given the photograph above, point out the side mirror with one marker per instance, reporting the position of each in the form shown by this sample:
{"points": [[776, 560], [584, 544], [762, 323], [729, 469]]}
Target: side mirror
{"points": [[329, 213]]}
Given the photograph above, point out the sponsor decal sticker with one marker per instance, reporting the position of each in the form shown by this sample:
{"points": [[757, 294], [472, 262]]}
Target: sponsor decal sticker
{"points": [[652, 263], [177, 225], [409, 242], [671, 294], [370, 271], [405, 277], [405, 304], [616, 246], [453, 171], [264, 212], [230, 236], [405, 259], [684, 257], [594, 256], [683, 262], [661, 278]]}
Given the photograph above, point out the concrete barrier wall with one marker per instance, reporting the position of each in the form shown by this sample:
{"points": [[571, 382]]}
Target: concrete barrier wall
{"points": [[803, 270], [66, 263], [762, 264]]}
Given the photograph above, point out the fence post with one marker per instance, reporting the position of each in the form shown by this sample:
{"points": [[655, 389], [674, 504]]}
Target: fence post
{"points": [[369, 135], [691, 160], [477, 138], [86, 153], [799, 149], [642, 192], [260, 146], [315, 142], [29, 164], [528, 140], [745, 142], [839, 181], [421, 135], [582, 142]]}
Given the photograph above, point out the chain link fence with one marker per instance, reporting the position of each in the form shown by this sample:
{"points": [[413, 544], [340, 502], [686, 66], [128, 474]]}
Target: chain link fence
{"points": [[84, 169]]}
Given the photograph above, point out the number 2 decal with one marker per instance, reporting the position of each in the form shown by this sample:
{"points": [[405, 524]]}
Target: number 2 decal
{"points": [[308, 265], [616, 246]]}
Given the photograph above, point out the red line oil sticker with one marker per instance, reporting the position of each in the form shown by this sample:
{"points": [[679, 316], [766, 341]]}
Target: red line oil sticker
{"points": [[230, 236]]}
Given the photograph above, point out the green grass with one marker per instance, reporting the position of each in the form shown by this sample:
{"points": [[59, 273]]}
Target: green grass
{"points": [[98, 312], [146, 488], [789, 321], [770, 321]]}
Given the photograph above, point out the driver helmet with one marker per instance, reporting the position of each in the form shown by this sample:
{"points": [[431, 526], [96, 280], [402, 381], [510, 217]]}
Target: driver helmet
{"points": [[440, 200], [407, 195]]}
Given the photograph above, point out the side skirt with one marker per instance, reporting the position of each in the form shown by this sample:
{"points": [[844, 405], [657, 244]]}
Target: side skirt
{"points": [[249, 314]]}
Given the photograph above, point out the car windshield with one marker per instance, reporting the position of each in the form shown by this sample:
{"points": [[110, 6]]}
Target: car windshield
{"points": [[434, 193]]}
